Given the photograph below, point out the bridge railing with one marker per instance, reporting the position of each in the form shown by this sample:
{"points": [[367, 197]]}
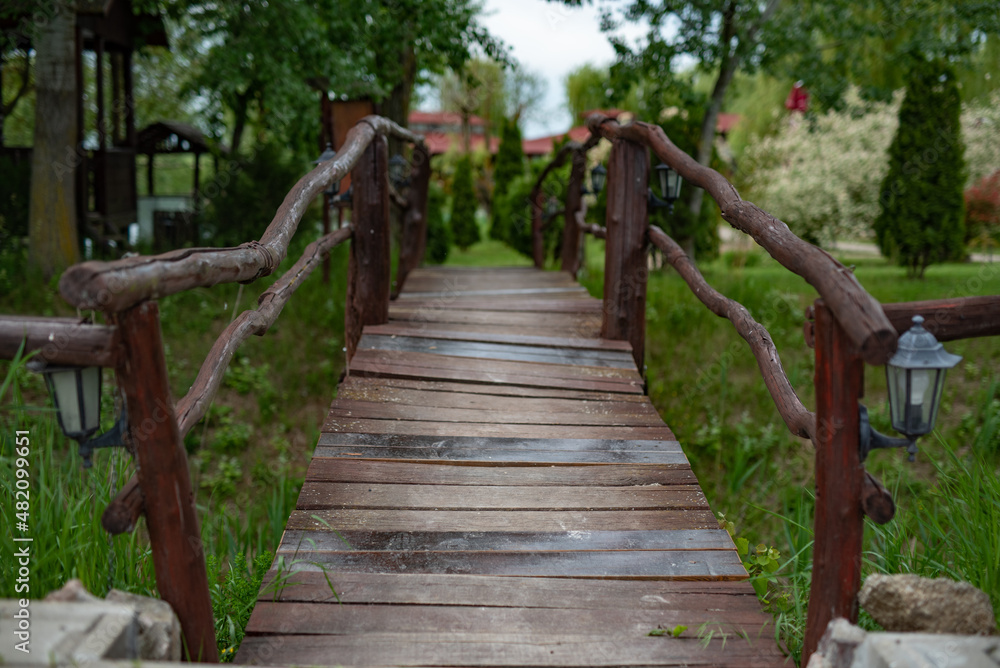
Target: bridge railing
{"points": [[126, 291], [846, 326]]}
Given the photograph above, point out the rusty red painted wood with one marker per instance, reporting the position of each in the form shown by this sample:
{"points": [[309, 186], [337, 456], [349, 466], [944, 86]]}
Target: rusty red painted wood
{"points": [[368, 277], [625, 270], [839, 524], [174, 535]]}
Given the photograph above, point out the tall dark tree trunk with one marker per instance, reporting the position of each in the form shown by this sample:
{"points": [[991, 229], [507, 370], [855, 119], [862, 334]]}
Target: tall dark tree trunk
{"points": [[396, 107], [53, 237], [240, 111]]}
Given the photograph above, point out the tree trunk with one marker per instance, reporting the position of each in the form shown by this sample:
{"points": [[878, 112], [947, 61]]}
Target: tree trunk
{"points": [[396, 107], [240, 122], [53, 237]]}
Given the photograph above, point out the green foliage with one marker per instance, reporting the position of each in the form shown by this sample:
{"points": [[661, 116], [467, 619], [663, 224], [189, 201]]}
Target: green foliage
{"points": [[439, 238], [15, 185], [234, 594], [464, 205], [586, 88], [669, 633], [516, 208], [761, 561], [247, 192], [922, 206], [509, 166]]}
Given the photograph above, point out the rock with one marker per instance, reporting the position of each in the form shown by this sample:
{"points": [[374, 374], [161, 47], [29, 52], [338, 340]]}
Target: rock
{"points": [[72, 592], [838, 645], [159, 629], [938, 605]]}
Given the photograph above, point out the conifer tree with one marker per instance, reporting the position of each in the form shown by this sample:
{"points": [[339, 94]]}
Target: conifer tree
{"points": [[463, 206], [438, 232], [922, 205], [509, 166]]}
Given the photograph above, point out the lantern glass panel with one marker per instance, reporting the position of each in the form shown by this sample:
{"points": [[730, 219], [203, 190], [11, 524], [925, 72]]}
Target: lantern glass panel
{"points": [[598, 177], [673, 185], [77, 393]]}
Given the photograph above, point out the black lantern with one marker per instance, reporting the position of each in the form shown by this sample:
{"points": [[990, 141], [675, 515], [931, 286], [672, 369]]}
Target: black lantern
{"points": [[598, 177], [398, 171], [551, 208], [670, 188], [334, 190], [76, 392], [915, 376]]}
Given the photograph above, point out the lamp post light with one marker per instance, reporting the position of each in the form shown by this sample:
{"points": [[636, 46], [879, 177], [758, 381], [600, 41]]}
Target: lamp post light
{"points": [[915, 378], [399, 172], [76, 392], [670, 188], [332, 193], [598, 177]]}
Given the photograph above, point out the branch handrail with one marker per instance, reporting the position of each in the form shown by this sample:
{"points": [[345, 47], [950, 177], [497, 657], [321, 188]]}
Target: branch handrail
{"points": [[859, 313], [115, 286]]}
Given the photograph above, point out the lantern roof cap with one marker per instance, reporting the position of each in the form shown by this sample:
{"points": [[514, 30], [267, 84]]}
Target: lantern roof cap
{"points": [[919, 349]]}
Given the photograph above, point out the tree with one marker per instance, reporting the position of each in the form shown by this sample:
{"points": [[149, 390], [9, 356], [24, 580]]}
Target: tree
{"points": [[463, 205], [475, 89], [922, 205], [587, 88], [509, 166], [52, 233]]}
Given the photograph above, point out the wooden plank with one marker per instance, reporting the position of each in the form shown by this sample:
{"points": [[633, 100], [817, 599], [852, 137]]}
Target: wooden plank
{"points": [[438, 541], [323, 469], [345, 409], [498, 457], [491, 335], [634, 565], [450, 429], [574, 304], [368, 385], [508, 520], [496, 351], [372, 390], [323, 495], [476, 590], [595, 444], [585, 332], [402, 649], [59, 340], [557, 321], [318, 618]]}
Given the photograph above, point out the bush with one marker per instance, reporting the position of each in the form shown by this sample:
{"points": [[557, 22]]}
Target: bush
{"points": [[463, 206], [982, 212], [922, 208], [509, 166], [438, 232]]}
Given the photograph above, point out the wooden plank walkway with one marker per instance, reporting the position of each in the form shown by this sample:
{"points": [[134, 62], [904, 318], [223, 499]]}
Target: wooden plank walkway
{"points": [[492, 488]]}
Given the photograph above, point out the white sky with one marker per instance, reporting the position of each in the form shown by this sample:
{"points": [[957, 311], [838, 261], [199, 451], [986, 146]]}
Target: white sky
{"points": [[551, 39]]}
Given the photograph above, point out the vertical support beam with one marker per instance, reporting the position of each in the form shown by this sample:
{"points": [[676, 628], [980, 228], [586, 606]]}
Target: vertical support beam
{"points": [[839, 522], [174, 535], [537, 238], [414, 236], [368, 269], [625, 271], [574, 199]]}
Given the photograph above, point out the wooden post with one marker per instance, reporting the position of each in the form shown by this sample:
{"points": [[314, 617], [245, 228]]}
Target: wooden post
{"points": [[574, 198], [625, 270], [839, 523], [174, 535], [368, 276], [414, 236], [537, 238]]}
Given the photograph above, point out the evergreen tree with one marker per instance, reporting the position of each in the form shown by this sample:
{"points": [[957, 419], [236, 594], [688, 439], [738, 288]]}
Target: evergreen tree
{"points": [[509, 166], [922, 205], [438, 232], [463, 205]]}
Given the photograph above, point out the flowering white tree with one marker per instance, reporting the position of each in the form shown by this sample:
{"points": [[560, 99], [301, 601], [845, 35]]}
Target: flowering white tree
{"points": [[822, 177]]}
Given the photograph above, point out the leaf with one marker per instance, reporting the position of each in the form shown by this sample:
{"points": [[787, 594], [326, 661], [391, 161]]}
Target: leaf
{"points": [[656, 632], [678, 630]]}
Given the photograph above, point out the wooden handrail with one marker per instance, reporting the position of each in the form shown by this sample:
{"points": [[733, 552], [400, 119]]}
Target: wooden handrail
{"points": [[115, 286], [59, 340], [195, 403], [858, 312]]}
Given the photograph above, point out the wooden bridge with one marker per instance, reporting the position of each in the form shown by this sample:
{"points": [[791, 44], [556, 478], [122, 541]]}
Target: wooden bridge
{"points": [[492, 487]]}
